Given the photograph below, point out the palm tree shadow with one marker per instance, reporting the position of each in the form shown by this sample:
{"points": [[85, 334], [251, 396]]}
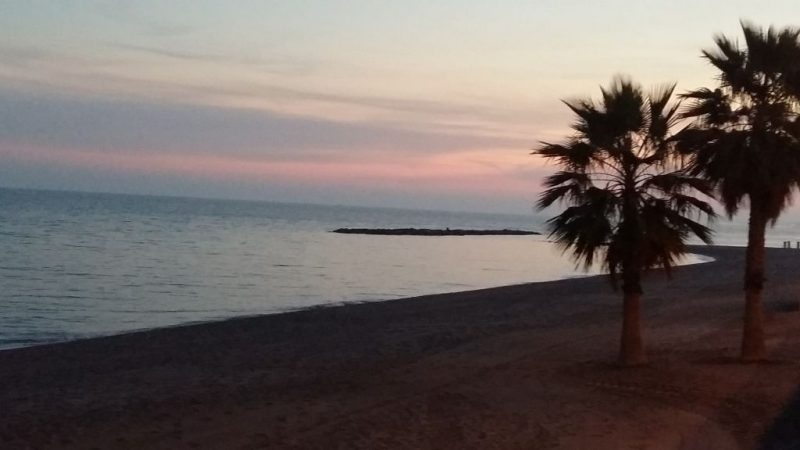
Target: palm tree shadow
{"points": [[734, 361], [784, 432]]}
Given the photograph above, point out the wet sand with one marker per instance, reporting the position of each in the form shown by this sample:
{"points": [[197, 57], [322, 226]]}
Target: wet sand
{"points": [[527, 366]]}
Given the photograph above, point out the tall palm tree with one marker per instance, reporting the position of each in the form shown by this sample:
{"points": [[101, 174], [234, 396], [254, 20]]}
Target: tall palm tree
{"points": [[629, 202], [745, 140]]}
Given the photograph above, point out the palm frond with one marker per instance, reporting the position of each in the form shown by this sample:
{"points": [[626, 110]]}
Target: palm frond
{"points": [[564, 186], [620, 158], [575, 155]]}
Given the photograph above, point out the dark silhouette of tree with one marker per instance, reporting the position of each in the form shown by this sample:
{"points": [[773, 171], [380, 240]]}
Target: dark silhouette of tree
{"points": [[629, 203], [745, 141]]}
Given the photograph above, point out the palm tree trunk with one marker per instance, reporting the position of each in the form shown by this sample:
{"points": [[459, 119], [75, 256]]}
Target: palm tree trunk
{"points": [[631, 351], [753, 348]]}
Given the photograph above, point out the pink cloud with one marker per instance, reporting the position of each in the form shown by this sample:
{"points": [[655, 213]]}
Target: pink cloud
{"points": [[490, 173]]}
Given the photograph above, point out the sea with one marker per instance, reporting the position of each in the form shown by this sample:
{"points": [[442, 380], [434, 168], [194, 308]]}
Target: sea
{"points": [[76, 265]]}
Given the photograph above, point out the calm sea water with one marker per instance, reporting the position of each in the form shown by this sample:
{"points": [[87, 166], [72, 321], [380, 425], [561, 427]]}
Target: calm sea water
{"points": [[75, 265]]}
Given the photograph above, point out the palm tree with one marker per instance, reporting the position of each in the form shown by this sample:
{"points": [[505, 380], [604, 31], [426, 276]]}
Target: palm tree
{"points": [[745, 140], [628, 198]]}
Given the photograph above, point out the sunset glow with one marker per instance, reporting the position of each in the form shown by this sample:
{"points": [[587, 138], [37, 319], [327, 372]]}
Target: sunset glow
{"points": [[317, 101]]}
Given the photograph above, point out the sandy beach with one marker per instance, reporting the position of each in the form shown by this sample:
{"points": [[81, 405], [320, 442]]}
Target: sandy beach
{"points": [[526, 366]]}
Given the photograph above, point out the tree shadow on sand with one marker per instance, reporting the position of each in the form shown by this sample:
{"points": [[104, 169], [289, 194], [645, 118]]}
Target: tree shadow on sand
{"points": [[784, 433]]}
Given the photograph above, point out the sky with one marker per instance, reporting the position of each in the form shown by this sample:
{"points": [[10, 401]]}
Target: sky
{"points": [[430, 104]]}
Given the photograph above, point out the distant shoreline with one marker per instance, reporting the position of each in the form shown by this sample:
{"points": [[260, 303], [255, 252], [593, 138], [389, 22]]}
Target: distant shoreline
{"points": [[433, 232], [264, 201]]}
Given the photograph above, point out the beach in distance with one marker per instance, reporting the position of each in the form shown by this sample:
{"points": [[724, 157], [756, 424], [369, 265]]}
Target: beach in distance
{"points": [[523, 366]]}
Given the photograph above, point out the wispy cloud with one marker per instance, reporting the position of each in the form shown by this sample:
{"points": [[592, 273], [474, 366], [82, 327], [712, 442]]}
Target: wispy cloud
{"points": [[177, 54], [129, 14], [294, 66], [150, 127], [12, 54], [283, 66], [37, 69]]}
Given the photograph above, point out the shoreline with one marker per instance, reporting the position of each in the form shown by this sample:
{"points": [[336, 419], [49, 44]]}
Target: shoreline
{"points": [[527, 365], [699, 259]]}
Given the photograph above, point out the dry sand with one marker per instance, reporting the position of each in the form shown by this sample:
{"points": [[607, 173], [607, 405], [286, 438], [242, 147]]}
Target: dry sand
{"points": [[526, 366]]}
